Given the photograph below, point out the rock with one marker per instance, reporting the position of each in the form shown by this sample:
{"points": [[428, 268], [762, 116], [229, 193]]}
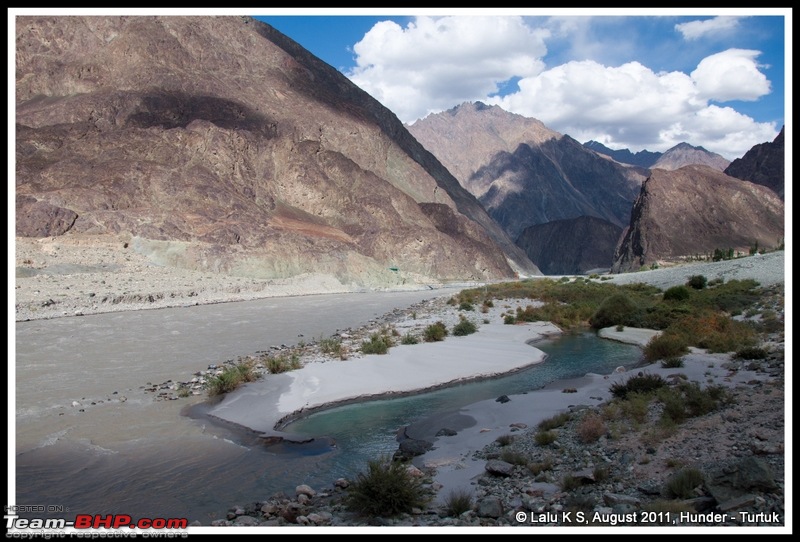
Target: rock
{"points": [[445, 432], [248, 521], [491, 507], [411, 448], [304, 489], [750, 474], [503, 399], [499, 468], [737, 503], [612, 499]]}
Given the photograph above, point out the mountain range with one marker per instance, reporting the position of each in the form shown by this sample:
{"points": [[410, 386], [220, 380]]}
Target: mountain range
{"points": [[218, 143], [682, 154]]}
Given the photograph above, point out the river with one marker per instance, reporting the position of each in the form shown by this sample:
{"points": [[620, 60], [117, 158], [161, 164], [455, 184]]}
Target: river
{"points": [[119, 451]]}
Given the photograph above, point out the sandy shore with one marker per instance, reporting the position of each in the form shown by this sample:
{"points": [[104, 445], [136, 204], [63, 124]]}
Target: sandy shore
{"points": [[494, 350]]}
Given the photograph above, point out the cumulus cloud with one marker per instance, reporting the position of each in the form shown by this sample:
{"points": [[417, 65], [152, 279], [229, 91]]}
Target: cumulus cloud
{"points": [[731, 75], [698, 29], [435, 63], [630, 106]]}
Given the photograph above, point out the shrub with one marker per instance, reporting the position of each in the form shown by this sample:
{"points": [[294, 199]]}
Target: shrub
{"points": [[543, 438], [231, 377], [635, 407], [377, 344], [408, 338], [615, 309], [698, 282], [386, 489], [569, 483], [504, 440], [464, 327], [283, 363], [457, 502], [591, 428], [466, 306], [642, 383], [435, 332], [513, 457], [665, 346], [331, 345], [672, 363], [682, 484], [554, 421], [677, 293], [751, 352], [541, 466], [509, 319]]}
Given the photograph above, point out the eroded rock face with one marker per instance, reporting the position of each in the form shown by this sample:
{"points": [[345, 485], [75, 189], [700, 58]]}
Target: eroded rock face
{"points": [[695, 210], [571, 246], [764, 164], [234, 145]]}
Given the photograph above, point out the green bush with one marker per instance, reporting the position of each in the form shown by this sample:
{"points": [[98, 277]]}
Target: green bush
{"points": [[464, 327], [457, 502], [408, 338], [504, 440], [435, 332], [642, 383], [231, 377], [665, 346], [509, 319], [751, 352], [386, 489], [672, 363], [513, 457], [677, 293], [554, 422], [466, 306], [616, 309], [682, 484], [331, 345], [282, 364], [377, 344], [543, 438], [698, 282]]}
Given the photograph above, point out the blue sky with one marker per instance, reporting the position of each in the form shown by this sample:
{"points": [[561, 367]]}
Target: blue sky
{"points": [[646, 79]]}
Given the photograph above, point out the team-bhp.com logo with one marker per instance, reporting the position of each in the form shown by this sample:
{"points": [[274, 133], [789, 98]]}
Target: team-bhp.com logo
{"points": [[87, 522]]}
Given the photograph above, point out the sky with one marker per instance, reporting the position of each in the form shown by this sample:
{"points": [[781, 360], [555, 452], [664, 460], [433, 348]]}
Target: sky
{"points": [[641, 80]]}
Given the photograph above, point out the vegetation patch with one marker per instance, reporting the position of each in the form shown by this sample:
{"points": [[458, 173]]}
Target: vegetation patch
{"points": [[385, 489], [435, 332]]}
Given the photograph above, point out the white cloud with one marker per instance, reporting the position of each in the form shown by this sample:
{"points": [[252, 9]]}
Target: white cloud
{"points": [[435, 63], [631, 106], [731, 75], [698, 29]]}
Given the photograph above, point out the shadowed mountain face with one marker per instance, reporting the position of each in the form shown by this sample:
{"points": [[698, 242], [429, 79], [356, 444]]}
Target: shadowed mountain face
{"points": [[524, 173], [643, 159], [764, 164], [693, 211], [221, 144], [571, 247]]}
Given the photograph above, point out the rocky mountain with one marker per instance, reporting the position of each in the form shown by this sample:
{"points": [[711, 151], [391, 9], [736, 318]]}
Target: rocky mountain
{"points": [[684, 154], [695, 210], [764, 164], [644, 159], [678, 156], [218, 143], [572, 246], [524, 173]]}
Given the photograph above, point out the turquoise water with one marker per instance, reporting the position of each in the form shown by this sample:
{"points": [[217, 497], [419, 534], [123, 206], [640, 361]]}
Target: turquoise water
{"points": [[367, 430]]}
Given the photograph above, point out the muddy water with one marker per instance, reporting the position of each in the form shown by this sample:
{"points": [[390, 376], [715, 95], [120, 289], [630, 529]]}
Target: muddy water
{"points": [[89, 438]]}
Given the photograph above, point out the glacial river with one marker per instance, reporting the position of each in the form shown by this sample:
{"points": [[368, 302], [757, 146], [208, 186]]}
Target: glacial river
{"points": [[117, 451]]}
